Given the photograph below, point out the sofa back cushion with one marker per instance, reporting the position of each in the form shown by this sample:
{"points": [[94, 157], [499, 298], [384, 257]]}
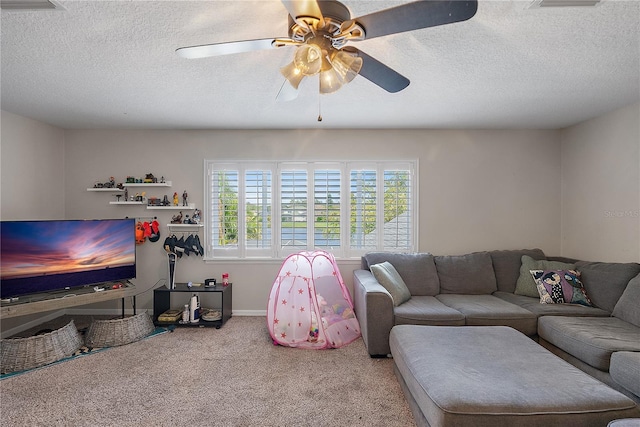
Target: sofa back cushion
{"points": [[416, 269], [605, 282], [506, 266], [470, 274], [628, 306], [525, 285]]}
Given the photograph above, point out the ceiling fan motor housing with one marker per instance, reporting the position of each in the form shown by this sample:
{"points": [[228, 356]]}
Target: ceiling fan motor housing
{"points": [[334, 14]]}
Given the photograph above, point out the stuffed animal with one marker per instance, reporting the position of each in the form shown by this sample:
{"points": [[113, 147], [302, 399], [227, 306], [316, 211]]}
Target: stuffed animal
{"points": [[313, 330], [140, 237]]}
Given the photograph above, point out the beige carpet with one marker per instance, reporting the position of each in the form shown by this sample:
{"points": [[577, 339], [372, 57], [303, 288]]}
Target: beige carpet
{"points": [[196, 377]]}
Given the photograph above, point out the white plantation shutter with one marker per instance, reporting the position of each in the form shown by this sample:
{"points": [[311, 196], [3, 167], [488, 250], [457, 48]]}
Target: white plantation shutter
{"points": [[363, 218], [348, 208], [222, 213], [258, 208], [397, 218], [326, 210], [293, 209]]}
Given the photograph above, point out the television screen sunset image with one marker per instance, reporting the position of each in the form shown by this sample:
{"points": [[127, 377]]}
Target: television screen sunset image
{"points": [[41, 248]]}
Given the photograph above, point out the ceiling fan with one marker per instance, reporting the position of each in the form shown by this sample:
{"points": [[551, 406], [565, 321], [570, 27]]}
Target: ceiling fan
{"points": [[321, 29]]}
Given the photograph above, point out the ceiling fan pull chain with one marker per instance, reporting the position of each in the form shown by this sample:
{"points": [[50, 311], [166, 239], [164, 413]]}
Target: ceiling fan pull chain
{"points": [[319, 101]]}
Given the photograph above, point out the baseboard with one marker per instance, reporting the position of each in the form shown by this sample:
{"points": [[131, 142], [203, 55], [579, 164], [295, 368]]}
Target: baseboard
{"points": [[258, 313]]}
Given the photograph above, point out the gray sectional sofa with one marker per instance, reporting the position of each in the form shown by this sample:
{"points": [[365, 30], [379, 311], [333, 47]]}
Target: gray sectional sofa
{"points": [[484, 289]]}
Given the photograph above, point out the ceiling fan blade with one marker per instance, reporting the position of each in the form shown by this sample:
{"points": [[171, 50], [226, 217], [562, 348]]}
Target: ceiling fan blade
{"points": [[300, 9], [378, 73], [217, 49], [416, 15]]}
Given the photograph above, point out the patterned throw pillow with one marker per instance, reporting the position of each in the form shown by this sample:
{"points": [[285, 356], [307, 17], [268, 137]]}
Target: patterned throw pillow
{"points": [[560, 287]]}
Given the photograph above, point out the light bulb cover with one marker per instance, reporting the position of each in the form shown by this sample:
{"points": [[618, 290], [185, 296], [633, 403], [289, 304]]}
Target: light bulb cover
{"points": [[330, 81], [292, 74], [346, 65], [308, 59]]}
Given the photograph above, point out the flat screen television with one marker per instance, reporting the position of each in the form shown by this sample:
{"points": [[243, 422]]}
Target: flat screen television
{"points": [[46, 256]]}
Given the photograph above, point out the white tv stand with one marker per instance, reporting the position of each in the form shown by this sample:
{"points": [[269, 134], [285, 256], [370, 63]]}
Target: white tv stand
{"points": [[38, 303]]}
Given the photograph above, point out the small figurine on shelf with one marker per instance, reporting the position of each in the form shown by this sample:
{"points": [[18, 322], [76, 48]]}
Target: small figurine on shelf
{"points": [[165, 201], [162, 179], [175, 199], [197, 216], [109, 184], [126, 194], [177, 219], [186, 220], [184, 198]]}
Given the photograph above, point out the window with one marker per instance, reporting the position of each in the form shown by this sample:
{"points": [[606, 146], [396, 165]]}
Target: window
{"points": [[272, 209]]}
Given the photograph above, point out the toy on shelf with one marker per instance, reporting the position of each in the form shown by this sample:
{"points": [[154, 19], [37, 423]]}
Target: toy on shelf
{"points": [[150, 179], [197, 216], [177, 219], [109, 184]]}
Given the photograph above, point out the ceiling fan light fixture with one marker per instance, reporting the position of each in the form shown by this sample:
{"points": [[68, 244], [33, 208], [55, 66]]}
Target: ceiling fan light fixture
{"points": [[308, 59], [292, 74], [330, 81], [346, 65]]}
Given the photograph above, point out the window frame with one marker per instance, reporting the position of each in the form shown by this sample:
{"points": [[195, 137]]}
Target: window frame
{"points": [[276, 250]]}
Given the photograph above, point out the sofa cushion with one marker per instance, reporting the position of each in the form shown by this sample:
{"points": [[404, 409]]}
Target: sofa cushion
{"points": [[625, 370], [427, 310], [506, 266], [628, 306], [560, 287], [470, 274], [495, 376], [487, 310], [526, 285], [534, 306], [605, 282], [590, 339], [418, 270], [388, 277]]}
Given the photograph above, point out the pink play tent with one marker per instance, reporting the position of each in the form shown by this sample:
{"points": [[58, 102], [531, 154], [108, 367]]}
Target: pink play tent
{"points": [[309, 305]]}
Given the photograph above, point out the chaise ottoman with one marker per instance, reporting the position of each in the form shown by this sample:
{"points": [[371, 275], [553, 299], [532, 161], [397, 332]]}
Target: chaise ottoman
{"points": [[495, 376]]}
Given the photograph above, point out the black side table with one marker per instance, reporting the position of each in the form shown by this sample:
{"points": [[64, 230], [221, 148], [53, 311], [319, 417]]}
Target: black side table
{"points": [[165, 299]]}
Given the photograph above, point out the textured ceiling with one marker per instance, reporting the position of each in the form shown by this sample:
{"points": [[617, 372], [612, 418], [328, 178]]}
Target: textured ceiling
{"points": [[112, 64]]}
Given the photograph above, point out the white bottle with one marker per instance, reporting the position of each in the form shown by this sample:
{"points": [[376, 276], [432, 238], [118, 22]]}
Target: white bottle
{"points": [[194, 309], [185, 314]]}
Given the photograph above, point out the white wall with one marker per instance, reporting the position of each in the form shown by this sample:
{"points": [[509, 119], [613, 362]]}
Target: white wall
{"points": [[31, 178], [478, 190], [32, 169], [601, 188]]}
